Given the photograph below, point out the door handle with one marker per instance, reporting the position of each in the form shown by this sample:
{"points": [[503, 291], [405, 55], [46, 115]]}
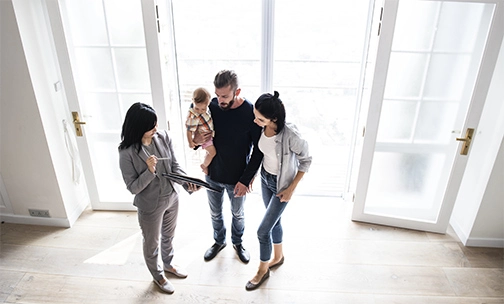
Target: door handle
{"points": [[77, 123], [467, 141]]}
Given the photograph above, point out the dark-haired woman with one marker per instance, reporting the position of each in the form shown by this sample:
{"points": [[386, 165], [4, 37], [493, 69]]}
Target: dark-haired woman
{"points": [[286, 159], [144, 154]]}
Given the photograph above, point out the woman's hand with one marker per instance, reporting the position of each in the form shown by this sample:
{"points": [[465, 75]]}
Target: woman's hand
{"points": [[151, 163], [285, 195], [192, 187]]}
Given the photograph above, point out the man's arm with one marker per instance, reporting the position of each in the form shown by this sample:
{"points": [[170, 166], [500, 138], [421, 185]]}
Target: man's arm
{"points": [[201, 138]]}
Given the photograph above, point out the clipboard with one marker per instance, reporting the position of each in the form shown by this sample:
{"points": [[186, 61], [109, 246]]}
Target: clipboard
{"points": [[183, 178]]}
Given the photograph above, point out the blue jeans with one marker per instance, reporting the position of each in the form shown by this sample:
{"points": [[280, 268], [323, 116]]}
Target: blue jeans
{"points": [[270, 228], [215, 200]]}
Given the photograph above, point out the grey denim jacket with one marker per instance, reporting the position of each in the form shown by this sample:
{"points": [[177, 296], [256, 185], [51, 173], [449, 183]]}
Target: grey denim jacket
{"points": [[293, 155]]}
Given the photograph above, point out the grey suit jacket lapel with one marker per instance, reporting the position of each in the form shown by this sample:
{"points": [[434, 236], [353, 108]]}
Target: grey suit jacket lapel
{"points": [[162, 150]]}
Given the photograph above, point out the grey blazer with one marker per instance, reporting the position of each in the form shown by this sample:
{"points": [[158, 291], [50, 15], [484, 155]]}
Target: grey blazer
{"points": [[139, 180]]}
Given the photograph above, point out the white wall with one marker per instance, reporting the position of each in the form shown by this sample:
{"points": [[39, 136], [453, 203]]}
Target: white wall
{"points": [[26, 167], [35, 164], [489, 224], [478, 215]]}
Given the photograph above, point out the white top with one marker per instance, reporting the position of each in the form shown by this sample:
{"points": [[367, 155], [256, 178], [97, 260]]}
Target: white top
{"points": [[267, 146]]}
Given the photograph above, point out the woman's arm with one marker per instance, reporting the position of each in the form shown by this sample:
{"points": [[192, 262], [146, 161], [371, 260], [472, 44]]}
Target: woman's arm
{"points": [[135, 181], [286, 194], [298, 147]]}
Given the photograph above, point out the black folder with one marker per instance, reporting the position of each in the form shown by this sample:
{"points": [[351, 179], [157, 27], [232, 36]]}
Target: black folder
{"points": [[183, 178]]}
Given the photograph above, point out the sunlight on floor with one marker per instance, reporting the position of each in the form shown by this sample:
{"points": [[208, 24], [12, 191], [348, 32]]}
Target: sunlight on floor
{"points": [[117, 254]]}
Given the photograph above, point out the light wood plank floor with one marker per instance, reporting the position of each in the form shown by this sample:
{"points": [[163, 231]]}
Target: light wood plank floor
{"points": [[328, 259]]}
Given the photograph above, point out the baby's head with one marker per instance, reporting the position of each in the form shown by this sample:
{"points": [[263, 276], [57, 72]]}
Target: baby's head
{"points": [[201, 99]]}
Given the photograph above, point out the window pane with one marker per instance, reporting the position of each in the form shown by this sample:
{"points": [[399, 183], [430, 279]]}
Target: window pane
{"points": [[109, 180], [320, 30], [458, 27], [435, 124], [405, 75], [132, 69], [415, 25], [105, 109], [447, 76], [405, 184], [125, 25], [212, 36], [126, 100], [396, 121], [317, 64], [95, 70], [78, 13], [216, 30]]}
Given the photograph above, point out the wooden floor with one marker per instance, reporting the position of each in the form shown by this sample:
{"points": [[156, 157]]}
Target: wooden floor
{"points": [[328, 259]]}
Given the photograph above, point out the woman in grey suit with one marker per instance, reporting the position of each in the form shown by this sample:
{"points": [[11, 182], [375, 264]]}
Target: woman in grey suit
{"points": [[144, 154]]}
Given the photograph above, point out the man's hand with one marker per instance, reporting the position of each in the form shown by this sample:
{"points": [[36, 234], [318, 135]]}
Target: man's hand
{"points": [[240, 190], [201, 138]]}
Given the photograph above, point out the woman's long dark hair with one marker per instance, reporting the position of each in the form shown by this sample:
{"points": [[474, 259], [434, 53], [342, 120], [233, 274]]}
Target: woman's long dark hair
{"points": [[271, 107], [139, 119]]}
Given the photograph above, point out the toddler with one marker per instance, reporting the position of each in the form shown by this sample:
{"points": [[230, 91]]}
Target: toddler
{"points": [[199, 120]]}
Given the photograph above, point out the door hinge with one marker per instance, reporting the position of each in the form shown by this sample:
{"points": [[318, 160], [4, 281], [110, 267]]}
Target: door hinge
{"points": [[363, 131], [379, 24], [157, 20]]}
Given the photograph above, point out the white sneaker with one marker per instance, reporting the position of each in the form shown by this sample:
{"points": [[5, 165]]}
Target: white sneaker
{"points": [[166, 286]]}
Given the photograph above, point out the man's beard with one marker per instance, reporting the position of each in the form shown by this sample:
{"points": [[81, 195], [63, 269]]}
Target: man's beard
{"points": [[228, 106]]}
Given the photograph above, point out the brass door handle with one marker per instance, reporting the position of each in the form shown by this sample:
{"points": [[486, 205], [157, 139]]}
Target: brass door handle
{"points": [[467, 141], [77, 123]]}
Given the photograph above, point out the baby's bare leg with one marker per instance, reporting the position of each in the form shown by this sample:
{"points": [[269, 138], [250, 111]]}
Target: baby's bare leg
{"points": [[208, 158]]}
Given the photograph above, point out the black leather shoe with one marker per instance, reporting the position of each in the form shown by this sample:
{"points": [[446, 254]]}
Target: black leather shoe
{"points": [[212, 252], [252, 286], [242, 253]]}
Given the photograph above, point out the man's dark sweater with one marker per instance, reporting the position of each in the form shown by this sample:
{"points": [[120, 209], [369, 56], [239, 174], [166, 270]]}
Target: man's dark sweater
{"points": [[235, 135]]}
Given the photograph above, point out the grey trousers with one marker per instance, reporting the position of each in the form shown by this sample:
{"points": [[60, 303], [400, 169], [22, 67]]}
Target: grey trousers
{"points": [[160, 222]]}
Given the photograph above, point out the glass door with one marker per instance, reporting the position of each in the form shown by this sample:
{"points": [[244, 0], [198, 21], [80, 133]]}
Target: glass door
{"points": [[106, 67], [429, 87]]}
